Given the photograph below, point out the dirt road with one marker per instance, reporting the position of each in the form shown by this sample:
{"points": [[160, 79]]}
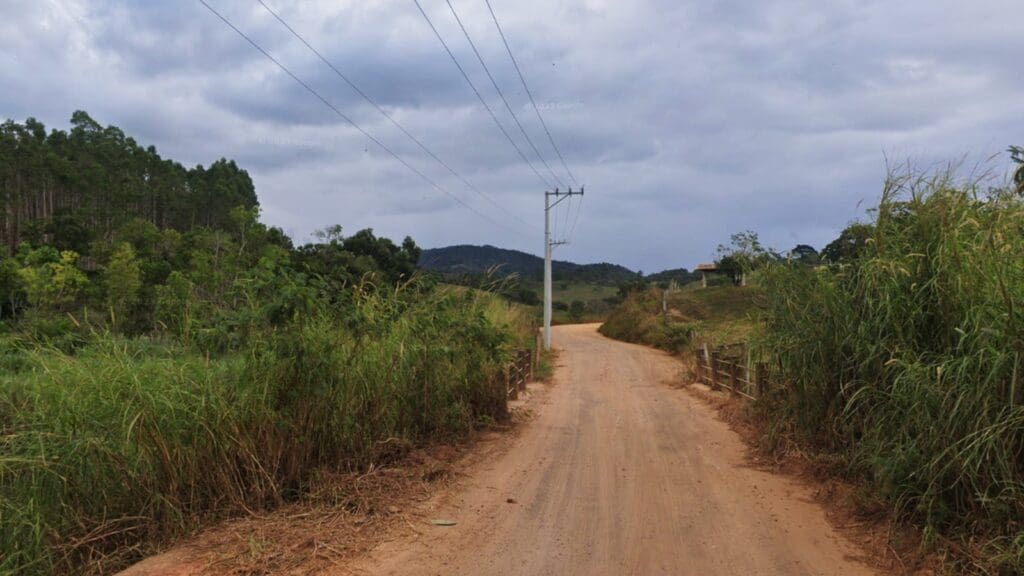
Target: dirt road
{"points": [[619, 474]]}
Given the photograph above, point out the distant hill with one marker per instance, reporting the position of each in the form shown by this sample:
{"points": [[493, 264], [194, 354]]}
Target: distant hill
{"points": [[473, 260], [679, 275]]}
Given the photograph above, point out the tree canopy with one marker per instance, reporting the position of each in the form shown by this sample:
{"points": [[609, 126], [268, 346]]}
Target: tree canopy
{"points": [[68, 188], [849, 245], [743, 254], [804, 254], [96, 227]]}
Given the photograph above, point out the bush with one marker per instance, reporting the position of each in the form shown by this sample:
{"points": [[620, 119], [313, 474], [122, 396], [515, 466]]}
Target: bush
{"points": [[638, 319]]}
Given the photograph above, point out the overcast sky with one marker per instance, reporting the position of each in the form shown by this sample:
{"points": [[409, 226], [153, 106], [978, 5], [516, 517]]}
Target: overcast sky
{"points": [[686, 120]]}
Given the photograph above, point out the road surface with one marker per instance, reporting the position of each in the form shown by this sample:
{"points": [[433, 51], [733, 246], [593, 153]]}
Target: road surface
{"points": [[619, 474]]}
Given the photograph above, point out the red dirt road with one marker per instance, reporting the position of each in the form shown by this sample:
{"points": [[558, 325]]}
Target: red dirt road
{"points": [[618, 474]]}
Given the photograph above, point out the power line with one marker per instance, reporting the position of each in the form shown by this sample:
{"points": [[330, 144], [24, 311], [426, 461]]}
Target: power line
{"points": [[528, 93], [478, 96], [390, 118], [346, 118], [572, 231], [554, 219], [494, 83], [568, 210]]}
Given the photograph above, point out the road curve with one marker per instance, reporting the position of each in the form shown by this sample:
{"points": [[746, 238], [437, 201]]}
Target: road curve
{"points": [[619, 474]]}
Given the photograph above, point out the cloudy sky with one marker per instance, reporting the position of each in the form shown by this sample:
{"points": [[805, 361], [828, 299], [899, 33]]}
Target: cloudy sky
{"points": [[686, 120]]}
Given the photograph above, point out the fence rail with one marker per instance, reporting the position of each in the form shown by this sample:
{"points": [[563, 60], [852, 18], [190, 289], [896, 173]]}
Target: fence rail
{"points": [[730, 367], [518, 372]]}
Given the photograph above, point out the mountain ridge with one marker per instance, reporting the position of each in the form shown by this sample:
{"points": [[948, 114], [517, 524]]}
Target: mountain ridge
{"points": [[469, 259]]}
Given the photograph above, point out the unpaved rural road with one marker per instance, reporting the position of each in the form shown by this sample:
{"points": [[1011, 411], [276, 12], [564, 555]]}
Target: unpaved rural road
{"points": [[619, 474]]}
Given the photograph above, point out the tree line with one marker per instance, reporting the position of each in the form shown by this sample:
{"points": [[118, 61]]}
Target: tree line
{"points": [[99, 231], [66, 188]]}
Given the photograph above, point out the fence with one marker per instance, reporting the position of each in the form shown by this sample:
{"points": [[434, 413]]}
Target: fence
{"points": [[730, 367], [518, 372]]}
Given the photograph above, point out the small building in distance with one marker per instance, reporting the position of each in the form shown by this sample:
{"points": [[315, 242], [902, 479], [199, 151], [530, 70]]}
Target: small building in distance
{"points": [[704, 270]]}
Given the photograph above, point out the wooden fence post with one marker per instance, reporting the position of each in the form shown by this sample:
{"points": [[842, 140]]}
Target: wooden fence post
{"points": [[734, 377], [510, 388], [700, 365], [714, 370], [761, 371], [746, 371], [524, 360]]}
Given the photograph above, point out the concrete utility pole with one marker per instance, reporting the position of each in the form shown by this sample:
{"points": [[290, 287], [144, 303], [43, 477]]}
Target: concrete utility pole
{"points": [[548, 246], [664, 297]]}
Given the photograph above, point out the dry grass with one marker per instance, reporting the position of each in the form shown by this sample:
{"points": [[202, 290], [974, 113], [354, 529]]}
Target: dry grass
{"points": [[343, 516]]}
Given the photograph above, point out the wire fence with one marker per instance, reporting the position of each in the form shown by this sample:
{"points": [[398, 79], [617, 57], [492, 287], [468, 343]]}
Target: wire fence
{"points": [[730, 367], [518, 372]]}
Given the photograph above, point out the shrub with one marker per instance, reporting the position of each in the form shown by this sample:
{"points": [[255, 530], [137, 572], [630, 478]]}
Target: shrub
{"points": [[638, 319]]}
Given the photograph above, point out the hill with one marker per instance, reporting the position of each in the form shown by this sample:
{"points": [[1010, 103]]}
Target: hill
{"points": [[681, 276], [463, 260]]}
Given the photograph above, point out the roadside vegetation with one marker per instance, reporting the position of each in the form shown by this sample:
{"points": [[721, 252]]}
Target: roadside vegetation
{"points": [[721, 313], [674, 311], [895, 355], [159, 370], [906, 360]]}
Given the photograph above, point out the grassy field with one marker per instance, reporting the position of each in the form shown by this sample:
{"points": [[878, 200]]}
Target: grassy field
{"points": [[586, 293], [594, 298], [721, 315], [717, 315]]}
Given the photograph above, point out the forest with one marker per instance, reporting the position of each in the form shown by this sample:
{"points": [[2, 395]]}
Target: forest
{"points": [[64, 188], [167, 359]]}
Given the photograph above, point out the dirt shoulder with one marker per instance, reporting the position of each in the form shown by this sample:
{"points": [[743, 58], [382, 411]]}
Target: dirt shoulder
{"points": [[888, 546]]}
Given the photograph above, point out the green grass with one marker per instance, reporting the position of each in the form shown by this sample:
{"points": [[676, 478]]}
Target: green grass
{"points": [[130, 442], [717, 315], [908, 362], [721, 314], [593, 296], [586, 293]]}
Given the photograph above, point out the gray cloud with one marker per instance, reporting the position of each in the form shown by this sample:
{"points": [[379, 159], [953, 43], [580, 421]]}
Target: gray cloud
{"points": [[687, 120]]}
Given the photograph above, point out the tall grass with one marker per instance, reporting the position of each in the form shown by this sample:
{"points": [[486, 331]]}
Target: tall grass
{"points": [[908, 361], [128, 442]]}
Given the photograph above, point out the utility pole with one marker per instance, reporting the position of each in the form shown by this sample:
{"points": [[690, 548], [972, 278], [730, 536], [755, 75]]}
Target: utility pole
{"points": [[664, 297], [549, 244]]}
